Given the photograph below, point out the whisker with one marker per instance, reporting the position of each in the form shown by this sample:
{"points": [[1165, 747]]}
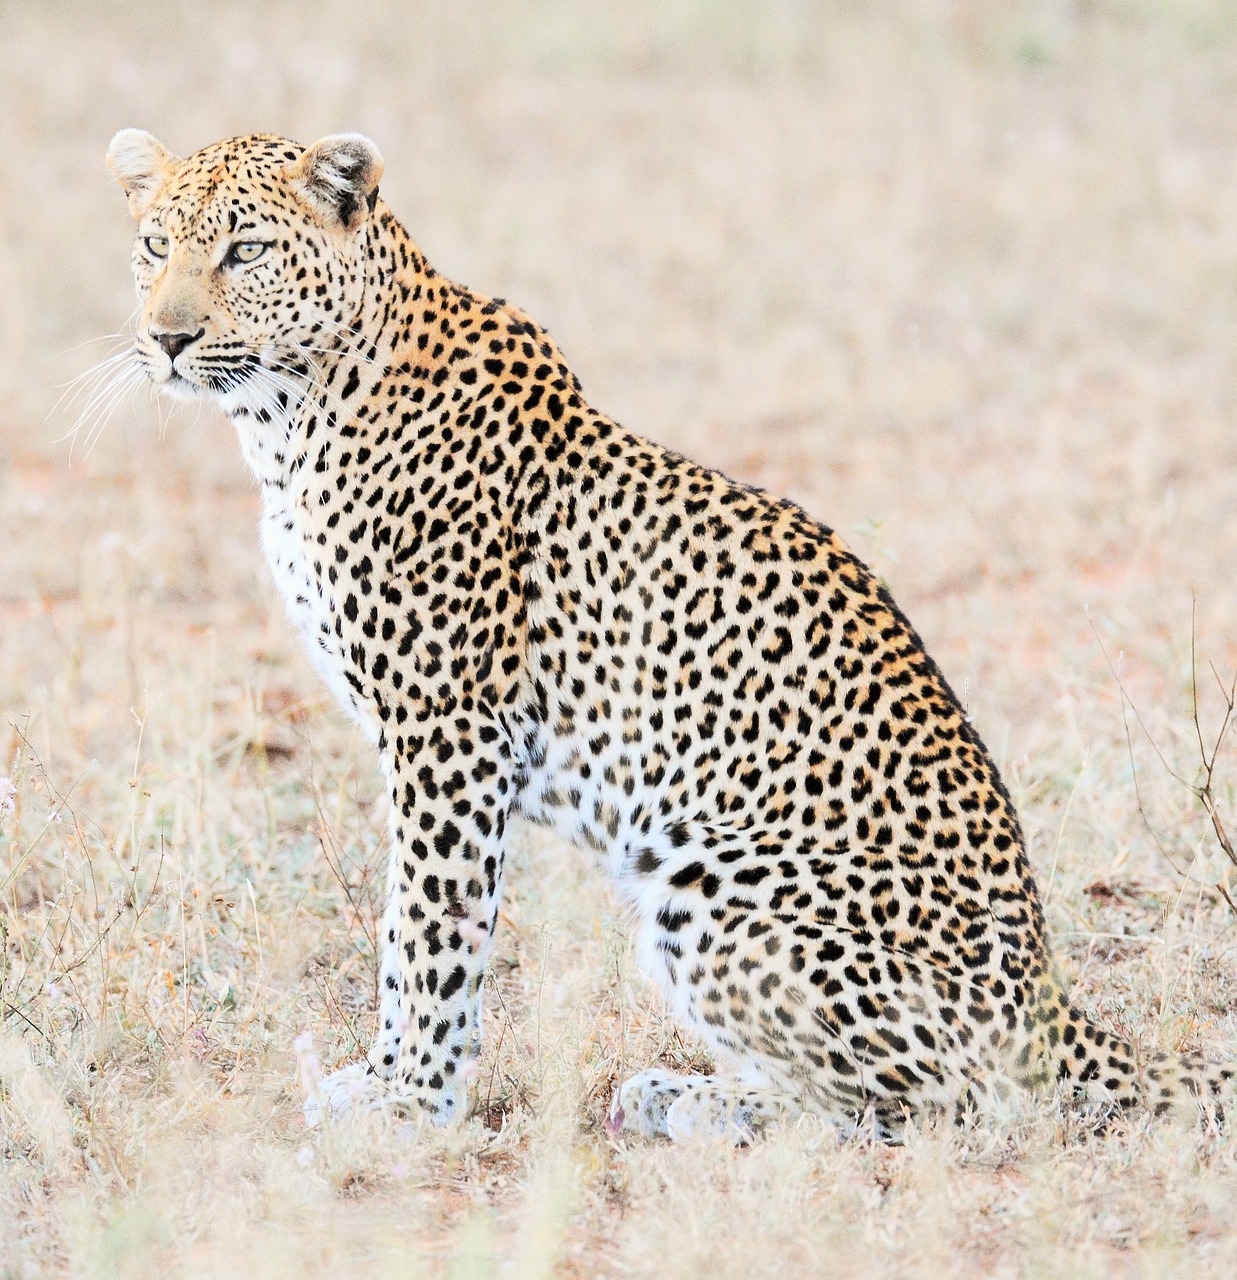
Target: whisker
{"points": [[124, 333], [159, 409], [312, 383], [74, 389], [99, 398], [121, 393], [121, 335]]}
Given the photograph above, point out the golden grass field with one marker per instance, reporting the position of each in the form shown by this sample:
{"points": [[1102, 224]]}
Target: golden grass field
{"points": [[960, 278]]}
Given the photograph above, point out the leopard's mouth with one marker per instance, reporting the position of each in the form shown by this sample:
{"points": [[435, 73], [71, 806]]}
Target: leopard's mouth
{"points": [[177, 386], [259, 382], [218, 380]]}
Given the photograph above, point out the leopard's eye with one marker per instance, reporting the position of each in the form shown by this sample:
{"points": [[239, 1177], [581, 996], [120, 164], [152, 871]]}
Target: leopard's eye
{"points": [[245, 251], [157, 246]]}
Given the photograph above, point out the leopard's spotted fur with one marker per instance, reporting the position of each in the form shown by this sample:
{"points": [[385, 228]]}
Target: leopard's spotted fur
{"points": [[533, 611]]}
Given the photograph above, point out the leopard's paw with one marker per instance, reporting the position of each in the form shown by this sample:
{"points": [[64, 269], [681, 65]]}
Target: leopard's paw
{"points": [[641, 1103], [725, 1111], [353, 1090]]}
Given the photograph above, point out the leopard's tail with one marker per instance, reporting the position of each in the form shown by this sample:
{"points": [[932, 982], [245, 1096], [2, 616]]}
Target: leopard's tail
{"points": [[1071, 1049]]}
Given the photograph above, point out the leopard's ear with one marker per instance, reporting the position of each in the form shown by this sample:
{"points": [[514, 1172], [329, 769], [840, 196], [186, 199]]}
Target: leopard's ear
{"points": [[338, 178], [141, 164]]}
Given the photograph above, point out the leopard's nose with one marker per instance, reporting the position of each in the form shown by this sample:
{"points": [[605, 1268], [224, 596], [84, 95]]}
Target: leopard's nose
{"points": [[175, 343]]}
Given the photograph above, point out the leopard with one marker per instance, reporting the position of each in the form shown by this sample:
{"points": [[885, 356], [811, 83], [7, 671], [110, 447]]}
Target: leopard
{"points": [[533, 613]]}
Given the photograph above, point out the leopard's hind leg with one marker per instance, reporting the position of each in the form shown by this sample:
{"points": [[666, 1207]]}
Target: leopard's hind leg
{"points": [[661, 1104], [781, 965]]}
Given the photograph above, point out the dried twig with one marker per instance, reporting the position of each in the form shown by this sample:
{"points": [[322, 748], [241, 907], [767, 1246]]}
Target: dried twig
{"points": [[1203, 790], [330, 1000]]}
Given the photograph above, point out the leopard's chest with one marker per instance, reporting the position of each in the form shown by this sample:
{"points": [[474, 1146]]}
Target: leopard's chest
{"points": [[308, 596]]}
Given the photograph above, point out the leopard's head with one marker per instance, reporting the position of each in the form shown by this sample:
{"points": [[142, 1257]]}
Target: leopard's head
{"points": [[249, 258]]}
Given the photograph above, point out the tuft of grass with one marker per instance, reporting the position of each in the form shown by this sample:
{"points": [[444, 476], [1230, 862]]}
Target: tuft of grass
{"points": [[958, 280]]}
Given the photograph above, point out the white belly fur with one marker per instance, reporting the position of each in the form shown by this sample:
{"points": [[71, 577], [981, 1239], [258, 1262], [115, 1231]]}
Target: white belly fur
{"points": [[307, 599]]}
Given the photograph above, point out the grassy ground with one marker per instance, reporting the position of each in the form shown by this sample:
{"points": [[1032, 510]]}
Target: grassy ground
{"points": [[958, 278]]}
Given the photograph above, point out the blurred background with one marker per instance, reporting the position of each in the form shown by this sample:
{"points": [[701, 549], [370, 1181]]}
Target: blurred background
{"points": [[958, 276]]}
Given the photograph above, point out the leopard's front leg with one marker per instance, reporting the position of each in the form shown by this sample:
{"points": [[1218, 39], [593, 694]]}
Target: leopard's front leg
{"points": [[451, 790], [450, 785]]}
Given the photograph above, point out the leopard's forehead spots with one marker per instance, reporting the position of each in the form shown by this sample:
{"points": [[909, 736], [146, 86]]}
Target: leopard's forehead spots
{"points": [[228, 185]]}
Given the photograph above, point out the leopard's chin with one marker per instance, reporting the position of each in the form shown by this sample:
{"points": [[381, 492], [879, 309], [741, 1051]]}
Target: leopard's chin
{"points": [[177, 387]]}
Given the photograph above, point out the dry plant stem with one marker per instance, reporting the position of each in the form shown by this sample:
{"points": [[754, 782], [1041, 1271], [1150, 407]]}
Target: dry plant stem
{"points": [[1208, 756], [1203, 790], [97, 946]]}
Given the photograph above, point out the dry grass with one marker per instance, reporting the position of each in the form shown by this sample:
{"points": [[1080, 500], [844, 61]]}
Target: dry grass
{"points": [[959, 278]]}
